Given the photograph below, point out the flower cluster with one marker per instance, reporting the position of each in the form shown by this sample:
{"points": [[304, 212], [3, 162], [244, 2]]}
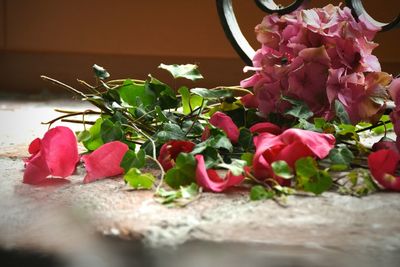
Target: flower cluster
{"points": [[319, 56]]}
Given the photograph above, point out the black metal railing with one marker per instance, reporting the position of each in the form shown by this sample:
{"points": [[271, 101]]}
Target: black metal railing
{"points": [[242, 46]]}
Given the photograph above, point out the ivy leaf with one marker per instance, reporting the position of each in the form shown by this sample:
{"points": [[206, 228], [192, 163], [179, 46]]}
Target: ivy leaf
{"points": [[258, 192], [131, 92], [306, 167], [189, 102], [235, 167], [84, 136], [160, 114], [110, 131], [133, 160], [180, 197], [319, 183], [310, 178], [171, 131], [211, 94], [341, 156], [95, 139], [248, 157], [138, 180], [100, 72], [282, 169], [183, 172], [187, 71], [341, 113], [246, 139], [190, 191], [299, 109]]}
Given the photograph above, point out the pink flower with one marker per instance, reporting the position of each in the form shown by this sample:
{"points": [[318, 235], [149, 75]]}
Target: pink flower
{"points": [[55, 155], [225, 123], [307, 79], [266, 127], [209, 179], [105, 161], [290, 146], [249, 101], [383, 165], [362, 96], [394, 91], [170, 151]]}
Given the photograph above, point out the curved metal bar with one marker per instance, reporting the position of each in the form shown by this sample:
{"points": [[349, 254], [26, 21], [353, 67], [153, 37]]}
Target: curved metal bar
{"points": [[233, 32], [357, 9], [270, 7]]}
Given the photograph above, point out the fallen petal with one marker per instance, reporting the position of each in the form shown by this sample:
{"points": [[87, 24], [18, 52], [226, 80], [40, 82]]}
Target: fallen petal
{"points": [[105, 161]]}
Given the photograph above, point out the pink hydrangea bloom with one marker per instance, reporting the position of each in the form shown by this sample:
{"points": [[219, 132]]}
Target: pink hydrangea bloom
{"points": [[318, 56]]}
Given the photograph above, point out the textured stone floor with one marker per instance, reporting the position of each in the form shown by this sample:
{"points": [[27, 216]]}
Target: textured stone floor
{"points": [[219, 229]]}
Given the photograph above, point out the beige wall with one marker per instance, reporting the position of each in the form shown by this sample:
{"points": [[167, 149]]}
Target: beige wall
{"points": [[130, 37]]}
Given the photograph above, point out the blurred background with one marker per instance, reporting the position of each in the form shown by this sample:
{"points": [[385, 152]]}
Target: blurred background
{"points": [[130, 38]]}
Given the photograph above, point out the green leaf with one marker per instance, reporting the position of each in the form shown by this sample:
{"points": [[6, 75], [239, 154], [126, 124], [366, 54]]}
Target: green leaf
{"points": [[235, 167], [258, 192], [84, 136], [341, 156], [110, 131], [166, 97], [341, 113], [189, 102], [183, 173], [217, 141], [138, 180], [248, 157], [171, 131], [282, 169], [95, 139], [100, 72], [160, 114], [133, 160], [189, 191], [131, 92], [306, 167], [319, 183], [381, 129], [187, 71], [299, 109], [210, 157], [211, 94], [246, 139]]}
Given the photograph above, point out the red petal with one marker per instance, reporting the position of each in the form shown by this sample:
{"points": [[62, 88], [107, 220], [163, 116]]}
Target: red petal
{"points": [[225, 123], [266, 127], [36, 170], [205, 134], [105, 161], [209, 179], [249, 101], [34, 146], [170, 151], [320, 144], [60, 148], [382, 165]]}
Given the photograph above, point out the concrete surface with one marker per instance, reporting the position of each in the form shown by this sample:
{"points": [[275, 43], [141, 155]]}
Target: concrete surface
{"points": [[330, 230]]}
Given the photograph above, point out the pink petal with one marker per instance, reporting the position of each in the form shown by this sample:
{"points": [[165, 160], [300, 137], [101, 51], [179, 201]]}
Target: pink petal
{"points": [[34, 146], [170, 151], [225, 123], [320, 144], [105, 161], [209, 179], [266, 127], [249, 101], [36, 170], [382, 165], [60, 149]]}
